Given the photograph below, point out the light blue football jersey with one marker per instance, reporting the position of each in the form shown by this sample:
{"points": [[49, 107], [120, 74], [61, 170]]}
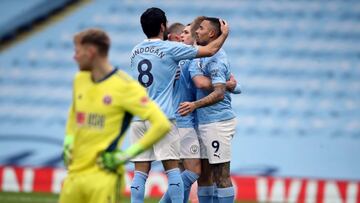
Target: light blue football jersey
{"points": [[185, 90], [154, 63], [217, 68]]}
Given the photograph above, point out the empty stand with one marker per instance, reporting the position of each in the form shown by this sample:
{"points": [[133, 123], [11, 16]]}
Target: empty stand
{"points": [[297, 61]]}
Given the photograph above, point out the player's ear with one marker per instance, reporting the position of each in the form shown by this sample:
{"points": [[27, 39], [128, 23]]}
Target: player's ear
{"points": [[162, 28], [212, 33], [93, 51], [178, 38]]}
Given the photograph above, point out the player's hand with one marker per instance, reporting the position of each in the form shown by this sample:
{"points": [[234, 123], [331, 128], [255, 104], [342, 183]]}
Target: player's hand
{"points": [[67, 150], [224, 26], [231, 83], [67, 155], [186, 107], [112, 160]]}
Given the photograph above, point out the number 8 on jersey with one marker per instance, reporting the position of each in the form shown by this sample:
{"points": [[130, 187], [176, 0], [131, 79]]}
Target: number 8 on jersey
{"points": [[145, 77]]}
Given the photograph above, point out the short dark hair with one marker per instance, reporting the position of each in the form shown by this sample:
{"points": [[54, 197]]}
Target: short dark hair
{"points": [[215, 23], [151, 21], [96, 37]]}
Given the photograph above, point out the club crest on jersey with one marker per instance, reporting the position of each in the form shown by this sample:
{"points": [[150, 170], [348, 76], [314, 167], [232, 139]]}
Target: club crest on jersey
{"points": [[200, 65], [107, 100]]}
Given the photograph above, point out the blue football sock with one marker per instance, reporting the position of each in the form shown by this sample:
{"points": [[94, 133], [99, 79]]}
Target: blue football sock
{"points": [[188, 178], [226, 195], [205, 194], [138, 187], [215, 196], [165, 198], [176, 185]]}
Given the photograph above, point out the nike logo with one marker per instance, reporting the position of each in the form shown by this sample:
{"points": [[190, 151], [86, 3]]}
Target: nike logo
{"points": [[217, 155], [177, 184], [136, 188]]}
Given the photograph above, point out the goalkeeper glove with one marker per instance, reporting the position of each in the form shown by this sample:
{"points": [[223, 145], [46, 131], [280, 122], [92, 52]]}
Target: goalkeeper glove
{"points": [[112, 160], [68, 145]]}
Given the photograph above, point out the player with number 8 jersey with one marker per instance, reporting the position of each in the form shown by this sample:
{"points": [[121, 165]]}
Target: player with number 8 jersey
{"points": [[154, 63]]}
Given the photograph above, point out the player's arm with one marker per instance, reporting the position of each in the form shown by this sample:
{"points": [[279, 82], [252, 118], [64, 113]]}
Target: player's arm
{"points": [[233, 86], [69, 137], [141, 105], [218, 80], [203, 82], [159, 125], [214, 97], [214, 46], [198, 77], [137, 102]]}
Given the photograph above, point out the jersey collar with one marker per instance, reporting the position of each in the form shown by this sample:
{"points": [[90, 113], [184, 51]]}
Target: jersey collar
{"points": [[107, 76], [152, 40]]}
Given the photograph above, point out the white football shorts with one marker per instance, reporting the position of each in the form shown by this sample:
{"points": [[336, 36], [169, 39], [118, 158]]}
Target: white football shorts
{"points": [[168, 148], [189, 143], [215, 140]]}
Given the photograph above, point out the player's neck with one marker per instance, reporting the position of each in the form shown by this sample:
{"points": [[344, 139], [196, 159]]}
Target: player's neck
{"points": [[210, 40], [160, 36], [101, 69]]}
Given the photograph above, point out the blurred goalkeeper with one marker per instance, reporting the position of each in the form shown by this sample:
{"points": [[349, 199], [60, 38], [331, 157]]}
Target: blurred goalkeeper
{"points": [[104, 101]]}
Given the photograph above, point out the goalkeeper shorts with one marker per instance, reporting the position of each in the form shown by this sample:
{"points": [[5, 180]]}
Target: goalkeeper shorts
{"points": [[94, 187]]}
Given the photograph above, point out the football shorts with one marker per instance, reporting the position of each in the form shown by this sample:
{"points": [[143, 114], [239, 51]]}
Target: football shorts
{"points": [[215, 140], [189, 143], [168, 148], [94, 187]]}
